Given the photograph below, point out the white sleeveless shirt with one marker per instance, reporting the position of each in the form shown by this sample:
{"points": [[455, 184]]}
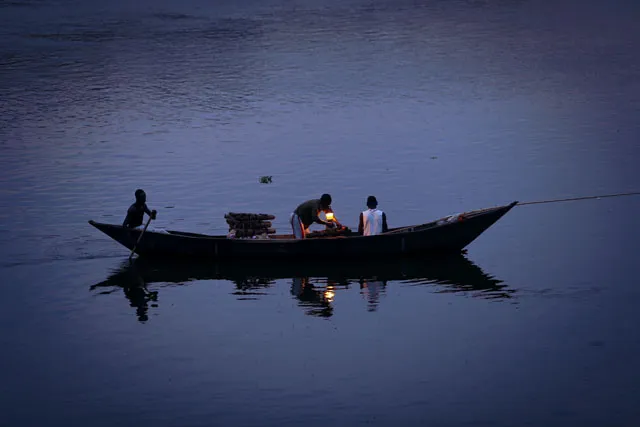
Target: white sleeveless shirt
{"points": [[372, 222]]}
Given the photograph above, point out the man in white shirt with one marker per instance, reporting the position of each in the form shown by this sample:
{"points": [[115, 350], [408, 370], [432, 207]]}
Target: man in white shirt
{"points": [[372, 221]]}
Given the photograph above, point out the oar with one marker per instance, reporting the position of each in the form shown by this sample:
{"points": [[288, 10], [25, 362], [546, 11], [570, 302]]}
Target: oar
{"points": [[139, 238]]}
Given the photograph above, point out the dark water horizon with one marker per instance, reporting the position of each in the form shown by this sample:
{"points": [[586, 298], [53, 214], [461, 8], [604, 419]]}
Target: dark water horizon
{"points": [[435, 107]]}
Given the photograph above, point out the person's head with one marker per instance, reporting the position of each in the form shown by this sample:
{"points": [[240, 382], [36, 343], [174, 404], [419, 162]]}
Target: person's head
{"points": [[141, 196], [325, 201], [372, 203]]}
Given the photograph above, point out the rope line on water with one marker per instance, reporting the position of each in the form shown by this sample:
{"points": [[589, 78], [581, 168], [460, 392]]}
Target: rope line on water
{"points": [[635, 193]]}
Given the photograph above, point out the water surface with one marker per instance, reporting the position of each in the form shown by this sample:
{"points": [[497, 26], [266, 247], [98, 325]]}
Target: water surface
{"points": [[434, 107]]}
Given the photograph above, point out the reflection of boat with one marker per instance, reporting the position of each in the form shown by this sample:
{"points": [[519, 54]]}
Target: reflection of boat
{"points": [[449, 234], [135, 289], [314, 283]]}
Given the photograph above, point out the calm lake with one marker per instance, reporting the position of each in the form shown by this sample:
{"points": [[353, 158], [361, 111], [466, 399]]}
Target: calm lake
{"points": [[435, 107]]}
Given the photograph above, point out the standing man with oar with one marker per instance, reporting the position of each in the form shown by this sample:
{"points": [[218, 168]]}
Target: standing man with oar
{"points": [[135, 214]]}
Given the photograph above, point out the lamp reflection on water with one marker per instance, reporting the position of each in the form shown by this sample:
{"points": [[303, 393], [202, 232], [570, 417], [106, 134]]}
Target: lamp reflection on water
{"points": [[329, 294]]}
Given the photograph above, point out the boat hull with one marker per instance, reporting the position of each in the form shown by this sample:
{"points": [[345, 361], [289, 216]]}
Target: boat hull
{"points": [[426, 238]]}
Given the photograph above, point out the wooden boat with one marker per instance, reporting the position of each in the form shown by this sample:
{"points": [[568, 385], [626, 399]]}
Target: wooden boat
{"points": [[450, 234]]}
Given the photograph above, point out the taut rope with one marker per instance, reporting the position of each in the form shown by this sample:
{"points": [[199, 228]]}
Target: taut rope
{"points": [[635, 193]]}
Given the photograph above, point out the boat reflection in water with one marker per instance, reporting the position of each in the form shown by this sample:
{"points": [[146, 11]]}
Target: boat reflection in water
{"points": [[315, 295], [314, 284]]}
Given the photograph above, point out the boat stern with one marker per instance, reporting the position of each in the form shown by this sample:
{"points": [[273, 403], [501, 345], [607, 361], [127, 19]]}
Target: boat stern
{"points": [[126, 237]]}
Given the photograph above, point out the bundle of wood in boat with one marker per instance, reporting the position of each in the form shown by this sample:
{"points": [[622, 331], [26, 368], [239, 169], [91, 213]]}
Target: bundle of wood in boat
{"points": [[241, 216], [249, 224]]}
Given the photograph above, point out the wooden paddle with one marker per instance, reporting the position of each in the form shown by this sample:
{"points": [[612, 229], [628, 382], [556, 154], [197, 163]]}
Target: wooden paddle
{"points": [[139, 238]]}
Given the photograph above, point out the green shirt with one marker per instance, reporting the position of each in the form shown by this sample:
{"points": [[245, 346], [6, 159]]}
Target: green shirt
{"points": [[308, 212]]}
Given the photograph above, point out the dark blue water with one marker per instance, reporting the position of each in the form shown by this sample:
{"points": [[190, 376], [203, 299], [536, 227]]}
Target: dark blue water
{"points": [[434, 107]]}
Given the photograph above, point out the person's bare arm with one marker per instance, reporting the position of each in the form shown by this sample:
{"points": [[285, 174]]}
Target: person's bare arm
{"points": [[318, 220], [152, 214]]}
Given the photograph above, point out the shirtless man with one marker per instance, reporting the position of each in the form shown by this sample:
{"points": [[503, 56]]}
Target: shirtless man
{"points": [[136, 211]]}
